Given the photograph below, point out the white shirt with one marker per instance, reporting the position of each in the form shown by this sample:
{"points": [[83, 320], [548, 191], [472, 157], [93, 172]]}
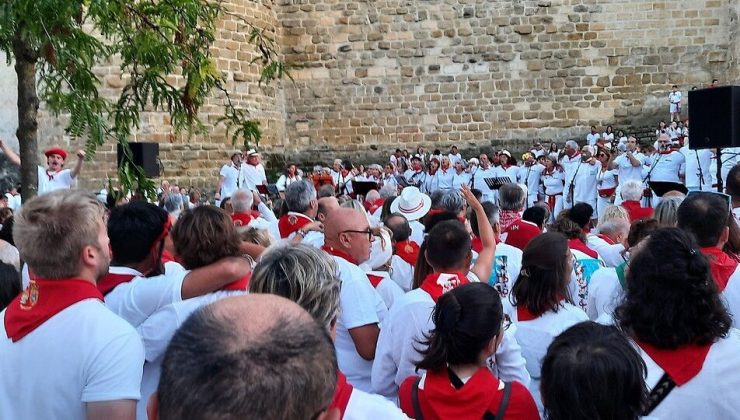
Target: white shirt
{"points": [[536, 335], [156, 334], [284, 181], [443, 179], [454, 158], [583, 268], [387, 288], [478, 182], [610, 253], [407, 322], [584, 187], [458, 180], [231, 180], [252, 175], [667, 167], [696, 160], [416, 178], [569, 165], [360, 304], [714, 393], [626, 171], [138, 299], [366, 406], [592, 138], [417, 231], [83, 354], [506, 267], [342, 182], [402, 273], [530, 176], [731, 297], [512, 172], [604, 293], [553, 182], [674, 97], [52, 181]]}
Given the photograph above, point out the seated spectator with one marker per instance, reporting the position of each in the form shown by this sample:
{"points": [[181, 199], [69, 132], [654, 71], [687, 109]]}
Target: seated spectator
{"points": [[457, 382], [675, 315], [580, 371], [249, 348]]}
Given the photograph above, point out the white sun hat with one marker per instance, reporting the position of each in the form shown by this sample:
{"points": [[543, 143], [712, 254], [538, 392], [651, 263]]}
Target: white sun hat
{"points": [[412, 204]]}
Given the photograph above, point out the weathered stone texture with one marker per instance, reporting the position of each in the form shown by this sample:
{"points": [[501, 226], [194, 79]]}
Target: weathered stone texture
{"points": [[376, 75]]}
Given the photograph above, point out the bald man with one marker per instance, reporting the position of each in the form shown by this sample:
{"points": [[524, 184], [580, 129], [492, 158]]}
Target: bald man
{"points": [[326, 206], [348, 237], [222, 364]]}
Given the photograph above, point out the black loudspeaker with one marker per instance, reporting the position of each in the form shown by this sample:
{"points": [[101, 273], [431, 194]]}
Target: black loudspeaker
{"points": [[714, 117], [145, 155]]}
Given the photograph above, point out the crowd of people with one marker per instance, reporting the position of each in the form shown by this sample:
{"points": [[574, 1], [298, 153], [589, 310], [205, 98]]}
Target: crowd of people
{"points": [[570, 287]]}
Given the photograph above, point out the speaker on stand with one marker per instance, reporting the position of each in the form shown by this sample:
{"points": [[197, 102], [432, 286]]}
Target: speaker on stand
{"points": [[145, 155]]}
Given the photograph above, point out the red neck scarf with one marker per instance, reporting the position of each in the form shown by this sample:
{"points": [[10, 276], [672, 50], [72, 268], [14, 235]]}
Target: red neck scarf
{"points": [[339, 253], [507, 218], [291, 222], [375, 205], [111, 280], [408, 251], [51, 175], [471, 401], [578, 245], [241, 219], [42, 300], [342, 393], [606, 238], [681, 364], [523, 314], [437, 284], [722, 266], [374, 279]]}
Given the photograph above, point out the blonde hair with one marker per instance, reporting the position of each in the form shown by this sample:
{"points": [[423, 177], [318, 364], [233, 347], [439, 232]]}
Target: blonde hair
{"points": [[52, 229], [614, 213], [255, 236], [303, 274]]}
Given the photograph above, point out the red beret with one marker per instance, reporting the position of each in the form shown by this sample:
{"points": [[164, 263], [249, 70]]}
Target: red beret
{"points": [[56, 151]]}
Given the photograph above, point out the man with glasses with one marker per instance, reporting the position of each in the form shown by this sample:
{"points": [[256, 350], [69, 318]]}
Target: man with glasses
{"points": [[666, 166], [348, 238]]}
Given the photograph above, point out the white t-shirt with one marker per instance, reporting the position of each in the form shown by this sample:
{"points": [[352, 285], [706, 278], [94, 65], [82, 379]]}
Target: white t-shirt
{"points": [[387, 288], [83, 354], [714, 393], [592, 138], [417, 231], [667, 167], [458, 180], [156, 333], [536, 335], [138, 299], [553, 182], [506, 267], [604, 293], [512, 172], [407, 322], [402, 273], [284, 181], [454, 158], [583, 268], [626, 171], [530, 176], [360, 304], [231, 179], [252, 175], [443, 179], [52, 181], [478, 182]]}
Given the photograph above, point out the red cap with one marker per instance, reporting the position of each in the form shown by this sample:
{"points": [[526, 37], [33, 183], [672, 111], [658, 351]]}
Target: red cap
{"points": [[56, 151]]}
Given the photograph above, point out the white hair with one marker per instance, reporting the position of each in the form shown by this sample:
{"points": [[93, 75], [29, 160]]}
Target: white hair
{"points": [[571, 144], [632, 190], [241, 200]]}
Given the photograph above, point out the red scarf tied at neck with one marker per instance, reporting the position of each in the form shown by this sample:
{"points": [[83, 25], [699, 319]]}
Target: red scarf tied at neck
{"points": [[42, 300], [437, 284], [721, 265]]}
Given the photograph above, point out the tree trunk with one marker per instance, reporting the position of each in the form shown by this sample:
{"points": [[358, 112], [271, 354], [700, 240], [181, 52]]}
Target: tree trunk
{"points": [[28, 106]]}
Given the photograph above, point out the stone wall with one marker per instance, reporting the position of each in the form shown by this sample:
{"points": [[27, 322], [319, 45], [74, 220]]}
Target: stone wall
{"points": [[373, 76], [383, 74]]}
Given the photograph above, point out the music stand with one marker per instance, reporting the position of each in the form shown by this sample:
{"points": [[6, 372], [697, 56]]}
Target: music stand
{"points": [[661, 188], [267, 190], [496, 182], [363, 187]]}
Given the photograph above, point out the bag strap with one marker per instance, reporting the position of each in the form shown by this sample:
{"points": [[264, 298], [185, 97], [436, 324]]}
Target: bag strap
{"points": [[415, 400], [661, 390], [504, 402]]}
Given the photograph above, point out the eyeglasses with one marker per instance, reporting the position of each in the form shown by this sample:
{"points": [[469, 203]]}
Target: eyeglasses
{"points": [[368, 232]]}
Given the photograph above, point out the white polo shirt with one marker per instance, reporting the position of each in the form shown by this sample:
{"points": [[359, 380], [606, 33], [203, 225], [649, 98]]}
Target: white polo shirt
{"points": [[667, 167], [360, 304], [52, 181], [83, 354], [626, 171], [252, 175]]}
